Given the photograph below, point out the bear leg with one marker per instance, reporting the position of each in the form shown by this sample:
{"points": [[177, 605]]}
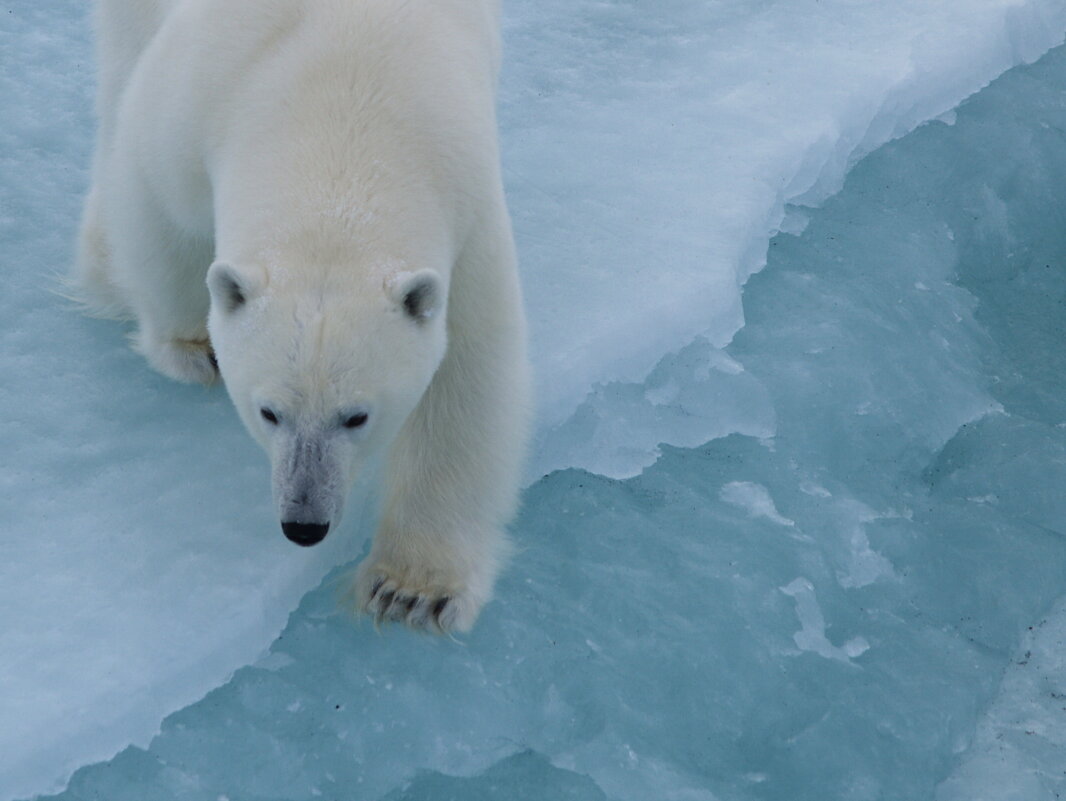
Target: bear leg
{"points": [[455, 468], [90, 282], [160, 271]]}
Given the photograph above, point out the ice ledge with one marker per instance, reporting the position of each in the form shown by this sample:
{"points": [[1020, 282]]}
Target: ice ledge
{"points": [[781, 131]]}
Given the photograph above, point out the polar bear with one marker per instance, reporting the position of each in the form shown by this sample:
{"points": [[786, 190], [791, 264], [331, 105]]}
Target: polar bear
{"points": [[305, 197]]}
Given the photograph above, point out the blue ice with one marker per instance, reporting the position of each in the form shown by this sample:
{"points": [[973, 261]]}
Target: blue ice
{"points": [[844, 578]]}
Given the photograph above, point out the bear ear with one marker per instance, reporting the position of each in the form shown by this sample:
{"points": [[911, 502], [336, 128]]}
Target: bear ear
{"points": [[420, 293], [231, 288]]}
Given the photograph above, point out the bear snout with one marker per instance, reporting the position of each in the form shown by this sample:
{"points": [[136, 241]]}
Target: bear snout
{"points": [[305, 534]]}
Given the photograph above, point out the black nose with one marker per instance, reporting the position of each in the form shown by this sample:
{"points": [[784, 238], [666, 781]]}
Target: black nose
{"points": [[305, 533]]}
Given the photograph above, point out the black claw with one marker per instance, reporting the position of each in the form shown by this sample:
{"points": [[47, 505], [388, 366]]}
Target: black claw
{"points": [[377, 588], [438, 607], [213, 360], [412, 602], [386, 600]]}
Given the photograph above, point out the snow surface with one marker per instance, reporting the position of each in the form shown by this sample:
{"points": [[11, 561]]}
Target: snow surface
{"points": [[670, 636], [650, 149]]}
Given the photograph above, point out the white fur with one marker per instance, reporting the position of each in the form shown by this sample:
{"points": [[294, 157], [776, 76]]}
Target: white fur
{"points": [[327, 156]]}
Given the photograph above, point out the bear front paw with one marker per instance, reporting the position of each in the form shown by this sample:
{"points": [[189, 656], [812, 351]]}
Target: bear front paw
{"points": [[189, 360], [399, 597]]}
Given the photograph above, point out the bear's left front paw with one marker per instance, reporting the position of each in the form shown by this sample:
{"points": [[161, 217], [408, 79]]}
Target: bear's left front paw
{"points": [[189, 360], [391, 596]]}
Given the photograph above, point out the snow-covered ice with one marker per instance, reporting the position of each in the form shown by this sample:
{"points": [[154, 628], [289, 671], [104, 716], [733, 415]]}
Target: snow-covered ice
{"points": [[818, 604], [651, 150]]}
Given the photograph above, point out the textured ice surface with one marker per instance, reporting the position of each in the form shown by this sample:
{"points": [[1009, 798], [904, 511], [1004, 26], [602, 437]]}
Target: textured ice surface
{"points": [[1019, 752], [651, 149], [649, 153], [841, 611]]}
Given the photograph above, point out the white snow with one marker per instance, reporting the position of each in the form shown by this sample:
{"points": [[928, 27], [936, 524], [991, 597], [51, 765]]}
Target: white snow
{"points": [[646, 172]]}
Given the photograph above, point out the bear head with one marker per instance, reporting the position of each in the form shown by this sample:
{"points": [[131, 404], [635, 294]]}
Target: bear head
{"points": [[324, 372]]}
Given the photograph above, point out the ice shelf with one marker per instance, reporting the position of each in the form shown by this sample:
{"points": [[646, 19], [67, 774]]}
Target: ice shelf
{"points": [[819, 603]]}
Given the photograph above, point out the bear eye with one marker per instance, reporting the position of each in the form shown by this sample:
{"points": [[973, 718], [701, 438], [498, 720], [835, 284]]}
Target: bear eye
{"points": [[269, 416], [356, 420]]}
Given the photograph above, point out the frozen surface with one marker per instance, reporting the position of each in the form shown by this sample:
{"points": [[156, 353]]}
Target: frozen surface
{"points": [[1019, 752], [868, 605], [651, 149], [823, 598]]}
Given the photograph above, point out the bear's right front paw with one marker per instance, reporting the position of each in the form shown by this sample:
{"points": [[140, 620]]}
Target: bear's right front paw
{"points": [[189, 360], [416, 599]]}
